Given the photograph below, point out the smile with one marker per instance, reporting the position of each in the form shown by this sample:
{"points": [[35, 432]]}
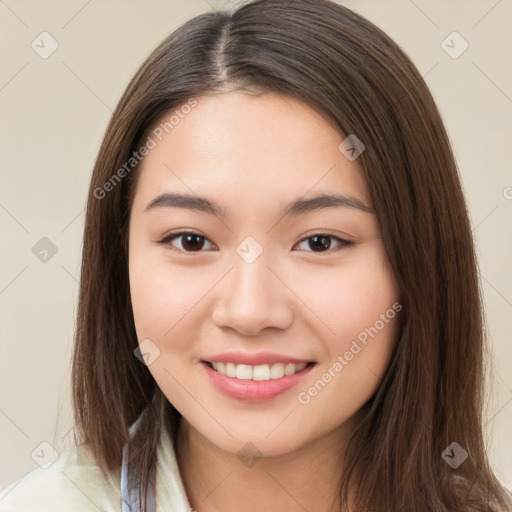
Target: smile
{"points": [[259, 372], [255, 383]]}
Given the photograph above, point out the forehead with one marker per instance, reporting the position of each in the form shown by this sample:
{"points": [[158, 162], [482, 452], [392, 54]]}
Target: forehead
{"points": [[247, 150]]}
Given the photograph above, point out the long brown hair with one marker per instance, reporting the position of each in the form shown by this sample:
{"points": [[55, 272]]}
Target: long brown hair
{"points": [[345, 67]]}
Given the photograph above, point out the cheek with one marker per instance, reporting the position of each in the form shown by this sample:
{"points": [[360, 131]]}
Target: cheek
{"points": [[168, 301], [353, 298], [342, 386], [158, 297], [163, 299], [359, 308], [362, 309]]}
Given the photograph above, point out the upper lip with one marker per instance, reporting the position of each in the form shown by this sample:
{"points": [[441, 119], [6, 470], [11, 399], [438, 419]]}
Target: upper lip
{"points": [[253, 359]]}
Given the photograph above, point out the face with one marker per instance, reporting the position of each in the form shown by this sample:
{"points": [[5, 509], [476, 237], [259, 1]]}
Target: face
{"points": [[235, 285]]}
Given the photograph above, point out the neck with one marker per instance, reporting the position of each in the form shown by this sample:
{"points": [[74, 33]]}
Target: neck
{"points": [[308, 478]]}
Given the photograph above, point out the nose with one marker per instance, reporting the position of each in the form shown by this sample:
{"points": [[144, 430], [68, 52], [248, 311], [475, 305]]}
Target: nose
{"points": [[252, 297]]}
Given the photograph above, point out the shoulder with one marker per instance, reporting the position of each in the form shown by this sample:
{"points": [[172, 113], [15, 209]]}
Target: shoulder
{"points": [[72, 482]]}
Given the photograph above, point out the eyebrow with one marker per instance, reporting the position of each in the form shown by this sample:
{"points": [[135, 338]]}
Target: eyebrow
{"points": [[297, 207]]}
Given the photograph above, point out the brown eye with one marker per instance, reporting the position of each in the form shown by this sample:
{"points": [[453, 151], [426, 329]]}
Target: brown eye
{"points": [[190, 242], [322, 242]]}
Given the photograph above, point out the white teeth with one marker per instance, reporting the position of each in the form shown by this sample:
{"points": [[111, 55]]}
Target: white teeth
{"points": [[260, 372], [289, 369], [230, 370], [277, 371], [243, 371]]}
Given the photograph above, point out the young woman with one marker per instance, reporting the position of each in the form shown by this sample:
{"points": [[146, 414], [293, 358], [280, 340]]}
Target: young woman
{"points": [[279, 304]]}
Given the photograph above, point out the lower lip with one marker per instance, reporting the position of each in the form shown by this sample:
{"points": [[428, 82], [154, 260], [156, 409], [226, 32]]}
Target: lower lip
{"points": [[254, 390]]}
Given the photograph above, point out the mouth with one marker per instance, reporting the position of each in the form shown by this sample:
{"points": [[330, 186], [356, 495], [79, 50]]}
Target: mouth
{"points": [[262, 372], [255, 383]]}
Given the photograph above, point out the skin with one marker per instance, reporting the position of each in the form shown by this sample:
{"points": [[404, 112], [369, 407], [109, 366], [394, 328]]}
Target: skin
{"points": [[252, 154]]}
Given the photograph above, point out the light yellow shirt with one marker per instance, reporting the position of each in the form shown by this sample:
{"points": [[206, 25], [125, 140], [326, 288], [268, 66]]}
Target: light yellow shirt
{"points": [[74, 483]]}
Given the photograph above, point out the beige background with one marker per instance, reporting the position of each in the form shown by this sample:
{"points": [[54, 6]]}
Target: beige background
{"points": [[55, 111]]}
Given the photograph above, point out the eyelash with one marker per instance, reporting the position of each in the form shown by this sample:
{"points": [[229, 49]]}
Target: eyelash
{"points": [[342, 242]]}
